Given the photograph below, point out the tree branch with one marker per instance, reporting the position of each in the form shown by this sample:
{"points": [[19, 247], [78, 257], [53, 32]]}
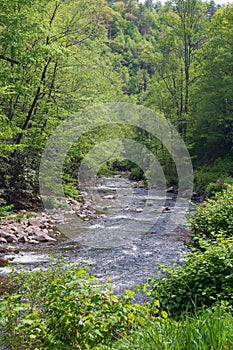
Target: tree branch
{"points": [[8, 59]]}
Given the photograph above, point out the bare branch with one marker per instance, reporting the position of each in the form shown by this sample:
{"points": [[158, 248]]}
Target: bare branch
{"points": [[8, 59]]}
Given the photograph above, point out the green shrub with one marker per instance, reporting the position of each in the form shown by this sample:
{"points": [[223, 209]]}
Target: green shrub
{"points": [[106, 170], [218, 173], [213, 218], [66, 308], [214, 187], [206, 278], [71, 191], [122, 164], [7, 210], [136, 174], [70, 186]]}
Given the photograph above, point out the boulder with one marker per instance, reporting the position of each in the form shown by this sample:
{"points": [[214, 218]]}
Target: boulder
{"points": [[43, 236], [109, 196], [33, 241], [3, 262], [165, 209], [34, 222], [172, 189], [139, 184], [11, 238], [23, 238]]}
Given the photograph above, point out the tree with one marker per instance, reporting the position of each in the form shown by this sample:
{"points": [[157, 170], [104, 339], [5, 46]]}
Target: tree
{"points": [[213, 135], [51, 65], [182, 24]]}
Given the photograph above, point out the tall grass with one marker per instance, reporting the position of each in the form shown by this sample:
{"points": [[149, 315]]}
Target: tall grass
{"points": [[211, 329]]}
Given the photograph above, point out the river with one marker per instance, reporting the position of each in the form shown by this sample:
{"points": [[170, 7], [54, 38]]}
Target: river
{"points": [[127, 243]]}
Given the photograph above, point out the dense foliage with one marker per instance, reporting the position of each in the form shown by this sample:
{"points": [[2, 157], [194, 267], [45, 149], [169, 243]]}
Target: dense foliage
{"points": [[213, 218], [190, 307], [207, 276], [204, 280], [57, 57], [66, 307]]}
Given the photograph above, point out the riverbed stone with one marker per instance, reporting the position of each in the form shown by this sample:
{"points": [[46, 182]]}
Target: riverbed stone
{"points": [[41, 239], [43, 236], [110, 196], [138, 184], [11, 238], [34, 222], [33, 241], [3, 262], [139, 210], [29, 230], [23, 239]]}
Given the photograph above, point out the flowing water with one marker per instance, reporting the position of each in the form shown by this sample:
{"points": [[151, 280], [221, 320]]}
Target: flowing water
{"points": [[126, 243]]}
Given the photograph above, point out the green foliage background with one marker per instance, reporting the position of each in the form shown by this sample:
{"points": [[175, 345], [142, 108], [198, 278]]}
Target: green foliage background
{"points": [[57, 57]]}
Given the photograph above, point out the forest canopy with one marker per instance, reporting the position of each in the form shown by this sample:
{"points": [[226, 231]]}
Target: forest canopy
{"points": [[58, 57]]}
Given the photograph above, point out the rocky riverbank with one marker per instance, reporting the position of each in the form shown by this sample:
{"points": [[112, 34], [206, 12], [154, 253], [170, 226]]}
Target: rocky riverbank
{"points": [[26, 228], [38, 231], [34, 228]]}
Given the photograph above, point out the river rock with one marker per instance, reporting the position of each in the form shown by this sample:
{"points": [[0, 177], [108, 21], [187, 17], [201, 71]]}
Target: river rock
{"points": [[150, 233], [43, 236], [165, 209], [3, 262], [29, 230], [14, 228], [82, 216], [23, 239], [139, 210], [109, 196], [9, 250], [33, 241], [11, 238], [56, 217], [34, 222], [138, 184], [172, 189]]}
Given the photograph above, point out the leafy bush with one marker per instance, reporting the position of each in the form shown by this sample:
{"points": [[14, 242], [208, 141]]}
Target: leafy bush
{"points": [[123, 165], [214, 187], [219, 173], [213, 218], [136, 174], [105, 170], [206, 278], [66, 308], [7, 210], [70, 186]]}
